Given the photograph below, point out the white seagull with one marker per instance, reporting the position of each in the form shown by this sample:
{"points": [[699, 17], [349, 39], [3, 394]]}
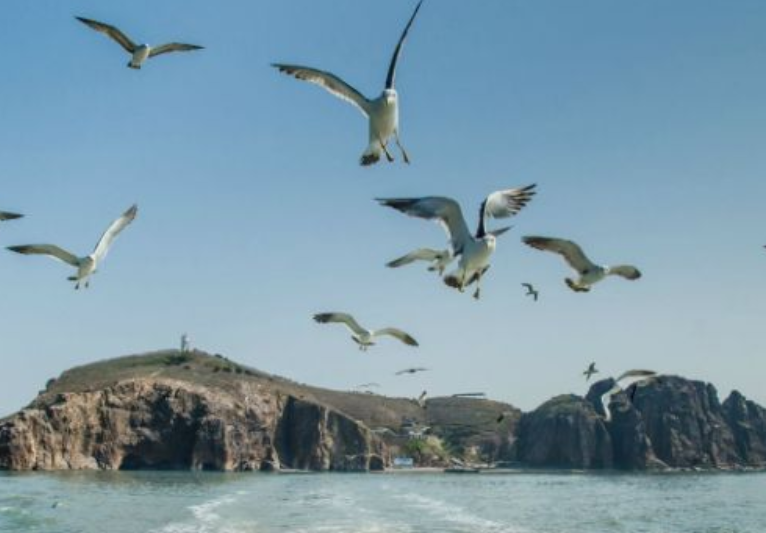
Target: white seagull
{"points": [[589, 272], [139, 52], [382, 112], [422, 399], [439, 259], [623, 382], [474, 250], [363, 337], [88, 265], [411, 370], [5, 215]]}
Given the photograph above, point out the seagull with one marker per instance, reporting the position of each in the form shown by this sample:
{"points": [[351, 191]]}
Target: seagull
{"points": [[382, 112], [531, 291], [474, 250], [363, 337], [422, 399], [440, 259], [88, 265], [5, 215], [573, 254], [469, 395], [623, 382], [368, 385], [139, 52], [411, 370], [590, 371]]}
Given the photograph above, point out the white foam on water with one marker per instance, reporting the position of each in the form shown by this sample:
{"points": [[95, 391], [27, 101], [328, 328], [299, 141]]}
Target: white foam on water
{"points": [[457, 515], [208, 519]]}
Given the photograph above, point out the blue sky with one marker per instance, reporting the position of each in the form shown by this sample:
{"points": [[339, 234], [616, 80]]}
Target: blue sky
{"points": [[643, 124]]}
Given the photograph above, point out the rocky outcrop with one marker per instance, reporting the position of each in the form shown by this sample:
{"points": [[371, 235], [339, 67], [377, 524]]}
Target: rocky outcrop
{"points": [[170, 424], [564, 432], [747, 421]]}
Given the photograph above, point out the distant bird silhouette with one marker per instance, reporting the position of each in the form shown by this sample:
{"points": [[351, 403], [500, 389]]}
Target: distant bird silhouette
{"points": [[422, 399], [139, 52], [631, 377], [382, 112], [590, 371], [531, 291], [363, 337], [411, 371], [88, 265], [368, 385], [589, 272]]}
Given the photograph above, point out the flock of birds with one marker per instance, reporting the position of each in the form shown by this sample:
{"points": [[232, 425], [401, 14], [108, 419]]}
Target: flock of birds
{"points": [[471, 250]]}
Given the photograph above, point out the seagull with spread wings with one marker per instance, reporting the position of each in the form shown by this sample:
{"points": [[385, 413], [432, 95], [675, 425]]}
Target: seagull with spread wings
{"points": [[474, 250], [5, 215], [439, 259], [139, 52], [411, 370], [362, 336], [590, 371], [382, 112], [589, 273], [531, 291], [88, 265], [631, 377]]}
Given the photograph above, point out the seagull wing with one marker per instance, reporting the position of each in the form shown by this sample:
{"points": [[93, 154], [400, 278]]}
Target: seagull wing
{"points": [[340, 318], [421, 254], [626, 271], [399, 334], [446, 210], [508, 203], [106, 240], [606, 399], [112, 32], [173, 47], [5, 215], [529, 287], [51, 250], [570, 251], [390, 78], [634, 376], [329, 81]]}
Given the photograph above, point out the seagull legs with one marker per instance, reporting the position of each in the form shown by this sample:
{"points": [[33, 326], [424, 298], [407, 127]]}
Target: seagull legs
{"points": [[399, 144], [477, 292], [385, 151]]}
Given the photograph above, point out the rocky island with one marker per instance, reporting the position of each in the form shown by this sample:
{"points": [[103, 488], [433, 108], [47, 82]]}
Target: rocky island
{"points": [[174, 410]]}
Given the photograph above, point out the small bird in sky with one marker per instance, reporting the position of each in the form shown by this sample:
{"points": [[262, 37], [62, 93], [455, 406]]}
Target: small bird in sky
{"points": [[363, 337], [88, 265], [369, 385], [5, 215], [589, 273], [139, 52], [382, 112], [627, 379], [531, 291], [411, 370], [590, 371], [440, 259], [474, 250]]}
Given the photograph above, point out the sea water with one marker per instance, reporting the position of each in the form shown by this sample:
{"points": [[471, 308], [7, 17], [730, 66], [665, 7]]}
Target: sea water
{"points": [[182, 502]]}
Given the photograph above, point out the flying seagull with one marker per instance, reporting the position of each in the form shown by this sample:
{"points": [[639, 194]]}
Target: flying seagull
{"points": [[474, 250], [382, 112], [422, 399], [589, 273], [5, 215], [411, 370], [440, 259], [139, 52], [363, 337], [368, 385], [623, 382], [88, 265], [590, 371], [469, 395], [531, 291]]}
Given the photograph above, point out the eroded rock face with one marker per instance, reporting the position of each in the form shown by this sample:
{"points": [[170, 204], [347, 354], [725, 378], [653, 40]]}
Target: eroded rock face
{"points": [[564, 432], [747, 421], [166, 424]]}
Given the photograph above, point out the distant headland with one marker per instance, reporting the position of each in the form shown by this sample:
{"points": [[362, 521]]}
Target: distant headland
{"points": [[196, 411]]}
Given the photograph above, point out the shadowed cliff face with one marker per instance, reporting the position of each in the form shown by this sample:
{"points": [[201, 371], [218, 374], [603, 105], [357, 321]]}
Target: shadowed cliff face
{"points": [[148, 424], [747, 421]]}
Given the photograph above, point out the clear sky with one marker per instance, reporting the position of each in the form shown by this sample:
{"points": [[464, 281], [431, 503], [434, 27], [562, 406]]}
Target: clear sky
{"points": [[643, 124]]}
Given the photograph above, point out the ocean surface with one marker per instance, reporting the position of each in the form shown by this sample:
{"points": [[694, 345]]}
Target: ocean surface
{"points": [[175, 502]]}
